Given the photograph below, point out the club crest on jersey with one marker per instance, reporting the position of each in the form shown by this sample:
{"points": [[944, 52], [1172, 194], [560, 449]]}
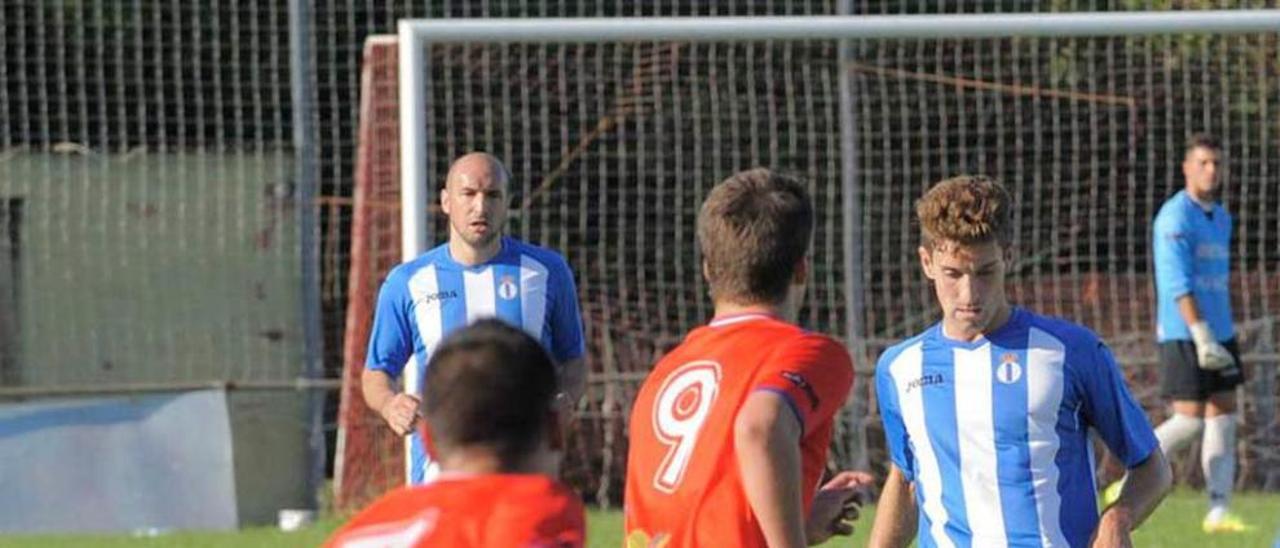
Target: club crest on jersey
{"points": [[507, 288], [1009, 370]]}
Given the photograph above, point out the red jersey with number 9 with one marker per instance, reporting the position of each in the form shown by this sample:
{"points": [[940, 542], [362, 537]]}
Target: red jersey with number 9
{"points": [[683, 485]]}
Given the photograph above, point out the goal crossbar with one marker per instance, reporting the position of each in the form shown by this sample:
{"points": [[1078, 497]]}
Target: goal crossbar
{"points": [[564, 30]]}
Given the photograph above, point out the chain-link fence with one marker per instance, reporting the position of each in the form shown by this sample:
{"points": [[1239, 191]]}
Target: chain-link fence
{"points": [[154, 228]]}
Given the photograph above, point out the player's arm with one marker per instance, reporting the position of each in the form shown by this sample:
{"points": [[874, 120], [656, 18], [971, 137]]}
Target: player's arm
{"points": [[1188, 309], [399, 409], [1145, 486], [568, 345], [573, 378], [807, 382], [896, 513], [766, 442], [390, 346], [1110, 408]]}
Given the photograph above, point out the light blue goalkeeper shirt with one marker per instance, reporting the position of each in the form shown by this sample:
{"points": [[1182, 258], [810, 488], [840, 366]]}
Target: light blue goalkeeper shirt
{"points": [[1192, 256]]}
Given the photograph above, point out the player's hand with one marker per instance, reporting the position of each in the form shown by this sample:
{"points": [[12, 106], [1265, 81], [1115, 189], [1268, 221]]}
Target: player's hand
{"points": [[1209, 353], [837, 503], [400, 412], [1214, 356], [1113, 530], [563, 405]]}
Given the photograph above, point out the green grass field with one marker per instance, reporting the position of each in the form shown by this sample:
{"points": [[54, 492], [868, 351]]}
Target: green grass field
{"points": [[1175, 524]]}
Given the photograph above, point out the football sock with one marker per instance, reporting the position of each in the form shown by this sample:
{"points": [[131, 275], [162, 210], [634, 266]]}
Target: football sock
{"points": [[1177, 431], [1218, 459]]}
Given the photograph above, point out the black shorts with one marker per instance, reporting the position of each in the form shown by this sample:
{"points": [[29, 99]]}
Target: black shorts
{"points": [[1183, 379]]}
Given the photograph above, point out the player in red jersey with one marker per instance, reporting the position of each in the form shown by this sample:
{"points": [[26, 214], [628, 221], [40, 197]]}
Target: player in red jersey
{"points": [[489, 403], [730, 431]]}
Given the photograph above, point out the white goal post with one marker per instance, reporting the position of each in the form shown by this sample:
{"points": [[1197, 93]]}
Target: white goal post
{"points": [[1067, 105]]}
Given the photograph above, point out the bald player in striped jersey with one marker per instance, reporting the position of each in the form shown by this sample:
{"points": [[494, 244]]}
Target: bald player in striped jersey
{"points": [[987, 413], [479, 273]]}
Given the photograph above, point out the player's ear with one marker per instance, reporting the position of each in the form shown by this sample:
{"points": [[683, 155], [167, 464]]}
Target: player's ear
{"points": [[1006, 253], [444, 199], [801, 274], [555, 425], [706, 270], [429, 446], [926, 261]]}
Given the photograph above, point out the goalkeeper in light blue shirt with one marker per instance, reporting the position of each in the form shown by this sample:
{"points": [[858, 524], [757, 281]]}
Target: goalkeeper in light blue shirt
{"points": [[1191, 241], [988, 413]]}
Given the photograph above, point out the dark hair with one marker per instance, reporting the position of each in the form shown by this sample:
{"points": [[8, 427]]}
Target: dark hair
{"points": [[969, 209], [1201, 140], [491, 385], [754, 228]]}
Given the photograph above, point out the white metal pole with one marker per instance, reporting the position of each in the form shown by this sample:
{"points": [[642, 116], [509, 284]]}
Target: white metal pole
{"points": [[850, 27], [413, 143], [306, 154]]}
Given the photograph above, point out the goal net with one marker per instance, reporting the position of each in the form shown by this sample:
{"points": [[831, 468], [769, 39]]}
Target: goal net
{"points": [[614, 143]]}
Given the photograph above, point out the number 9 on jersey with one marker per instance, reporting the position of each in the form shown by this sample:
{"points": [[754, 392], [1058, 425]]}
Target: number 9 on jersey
{"points": [[682, 406]]}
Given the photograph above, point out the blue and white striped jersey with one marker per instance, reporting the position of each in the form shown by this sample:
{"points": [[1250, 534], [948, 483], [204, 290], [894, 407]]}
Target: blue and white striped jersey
{"points": [[995, 432], [427, 298], [1192, 256]]}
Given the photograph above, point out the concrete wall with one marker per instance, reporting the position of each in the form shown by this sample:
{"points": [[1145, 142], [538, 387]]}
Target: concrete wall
{"points": [[119, 463], [183, 460], [154, 267], [165, 267], [269, 434]]}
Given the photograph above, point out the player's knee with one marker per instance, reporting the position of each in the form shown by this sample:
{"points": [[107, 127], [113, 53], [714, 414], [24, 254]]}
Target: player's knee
{"points": [[1221, 403], [1189, 408]]}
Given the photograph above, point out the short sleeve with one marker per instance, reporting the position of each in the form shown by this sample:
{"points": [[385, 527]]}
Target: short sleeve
{"points": [[391, 338], [1174, 247], [1110, 408], [895, 430], [566, 320], [813, 373]]}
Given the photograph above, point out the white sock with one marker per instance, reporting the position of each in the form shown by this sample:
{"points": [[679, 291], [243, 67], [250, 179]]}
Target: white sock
{"points": [[1174, 433], [1177, 431], [1218, 458]]}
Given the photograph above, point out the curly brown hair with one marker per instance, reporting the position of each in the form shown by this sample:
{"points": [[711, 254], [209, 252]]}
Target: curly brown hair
{"points": [[966, 210]]}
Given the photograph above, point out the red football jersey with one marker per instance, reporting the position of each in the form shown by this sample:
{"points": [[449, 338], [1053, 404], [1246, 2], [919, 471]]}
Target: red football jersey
{"points": [[499, 510], [683, 484]]}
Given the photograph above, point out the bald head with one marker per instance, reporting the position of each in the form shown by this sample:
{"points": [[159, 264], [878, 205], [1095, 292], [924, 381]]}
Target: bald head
{"points": [[475, 200], [475, 166]]}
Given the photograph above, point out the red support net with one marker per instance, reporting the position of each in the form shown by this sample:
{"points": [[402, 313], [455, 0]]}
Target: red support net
{"points": [[370, 458]]}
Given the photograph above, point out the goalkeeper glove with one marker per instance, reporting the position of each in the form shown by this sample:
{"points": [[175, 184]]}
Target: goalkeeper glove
{"points": [[1210, 354]]}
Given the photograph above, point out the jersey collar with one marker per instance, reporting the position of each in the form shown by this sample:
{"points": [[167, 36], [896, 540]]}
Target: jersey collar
{"points": [[1016, 318], [505, 248], [730, 319]]}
